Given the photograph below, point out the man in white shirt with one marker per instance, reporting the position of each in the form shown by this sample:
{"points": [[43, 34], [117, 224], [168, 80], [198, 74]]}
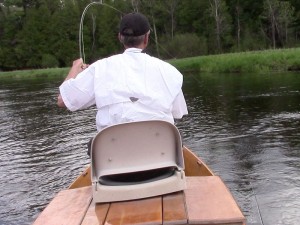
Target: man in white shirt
{"points": [[127, 87]]}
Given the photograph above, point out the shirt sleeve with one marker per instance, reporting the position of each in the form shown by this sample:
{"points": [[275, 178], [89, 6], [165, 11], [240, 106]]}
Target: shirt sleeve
{"points": [[78, 93], [179, 106]]}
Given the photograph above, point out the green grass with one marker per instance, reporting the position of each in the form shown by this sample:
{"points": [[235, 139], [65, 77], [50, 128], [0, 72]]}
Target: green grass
{"points": [[246, 62], [37, 73]]}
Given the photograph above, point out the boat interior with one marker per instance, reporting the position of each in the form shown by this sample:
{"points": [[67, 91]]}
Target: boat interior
{"points": [[141, 174]]}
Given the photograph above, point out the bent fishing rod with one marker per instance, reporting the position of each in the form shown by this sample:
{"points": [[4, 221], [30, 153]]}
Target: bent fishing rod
{"points": [[81, 42]]}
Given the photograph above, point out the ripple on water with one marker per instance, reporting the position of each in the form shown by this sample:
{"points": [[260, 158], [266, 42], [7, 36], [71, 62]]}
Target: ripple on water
{"points": [[248, 137]]}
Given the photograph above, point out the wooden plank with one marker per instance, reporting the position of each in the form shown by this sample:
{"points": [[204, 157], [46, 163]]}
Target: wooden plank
{"points": [[96, 214], [83, 180], [144, 211], [209, 202], [193, 164], [68, 207], [174, 211]]}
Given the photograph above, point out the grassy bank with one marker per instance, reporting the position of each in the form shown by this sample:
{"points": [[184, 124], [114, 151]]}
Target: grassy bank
{"points": [[247, 62], [37, 73]]}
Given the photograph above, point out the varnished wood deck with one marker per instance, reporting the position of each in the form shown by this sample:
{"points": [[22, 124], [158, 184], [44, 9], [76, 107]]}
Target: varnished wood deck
{"points": [[205, 201]]}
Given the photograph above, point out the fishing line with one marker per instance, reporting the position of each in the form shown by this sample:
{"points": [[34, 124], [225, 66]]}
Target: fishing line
{"points": [[257, 205], [81, 41], [82, 55], [217, 99]]}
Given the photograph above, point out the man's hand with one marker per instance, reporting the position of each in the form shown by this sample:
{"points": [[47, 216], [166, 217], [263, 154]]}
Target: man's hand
{"points": [[77, 67]]}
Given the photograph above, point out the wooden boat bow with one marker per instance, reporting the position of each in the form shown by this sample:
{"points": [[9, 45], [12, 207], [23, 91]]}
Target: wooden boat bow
{"points": [[205, 201]]}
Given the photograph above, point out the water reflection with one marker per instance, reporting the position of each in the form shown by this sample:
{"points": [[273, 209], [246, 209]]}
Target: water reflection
{"points": [[37, 158], [246, 127], [247, 130]]}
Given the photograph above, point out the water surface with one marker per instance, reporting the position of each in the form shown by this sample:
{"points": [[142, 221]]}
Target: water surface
{"points": [[245, 127]]}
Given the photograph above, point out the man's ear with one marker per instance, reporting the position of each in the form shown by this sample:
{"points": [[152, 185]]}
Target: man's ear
{"points": [[146, 39], [119, 36]]}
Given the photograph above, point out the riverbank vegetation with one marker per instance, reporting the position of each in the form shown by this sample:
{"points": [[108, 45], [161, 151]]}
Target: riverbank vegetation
{"points": [[44, 33], [35, 73], [246, 62], [267, 61]]}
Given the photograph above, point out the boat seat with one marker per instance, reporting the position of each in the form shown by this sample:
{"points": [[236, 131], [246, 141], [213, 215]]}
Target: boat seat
{"points": [[136, 160]]}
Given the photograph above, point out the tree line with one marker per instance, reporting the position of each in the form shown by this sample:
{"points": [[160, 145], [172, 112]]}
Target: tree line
{"points": [[45, 33]]}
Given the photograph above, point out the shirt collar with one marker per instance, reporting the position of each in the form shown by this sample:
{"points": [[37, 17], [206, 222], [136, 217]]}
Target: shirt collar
{"points": [[133, 50]]}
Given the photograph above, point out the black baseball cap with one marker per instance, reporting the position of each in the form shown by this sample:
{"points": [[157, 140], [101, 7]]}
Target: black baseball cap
{"points": [[134, 24]]}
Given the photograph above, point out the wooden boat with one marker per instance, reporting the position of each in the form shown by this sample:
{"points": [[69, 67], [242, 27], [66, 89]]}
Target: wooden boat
{"points": [[206, 200]]}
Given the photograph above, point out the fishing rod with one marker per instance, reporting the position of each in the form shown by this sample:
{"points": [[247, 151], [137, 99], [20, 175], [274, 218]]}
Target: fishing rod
{"points": [[81, 42]]}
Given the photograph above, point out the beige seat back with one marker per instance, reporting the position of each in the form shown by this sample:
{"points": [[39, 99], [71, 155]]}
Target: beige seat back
{"points": [[121, 153]]}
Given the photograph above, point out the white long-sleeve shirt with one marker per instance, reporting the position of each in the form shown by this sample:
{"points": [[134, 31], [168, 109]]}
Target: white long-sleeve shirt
{"points": [[127, 87]]}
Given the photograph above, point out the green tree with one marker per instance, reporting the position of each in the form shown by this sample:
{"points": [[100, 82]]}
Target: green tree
{"points": [[280, 14], [247, 29], [33, 40], [222, 26], [286, 18], [186, 45], [43, 33], [170, 7], [64, 25], [11, 23]]}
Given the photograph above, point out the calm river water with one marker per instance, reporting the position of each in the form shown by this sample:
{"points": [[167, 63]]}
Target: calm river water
{"points": [[245, 127]]}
